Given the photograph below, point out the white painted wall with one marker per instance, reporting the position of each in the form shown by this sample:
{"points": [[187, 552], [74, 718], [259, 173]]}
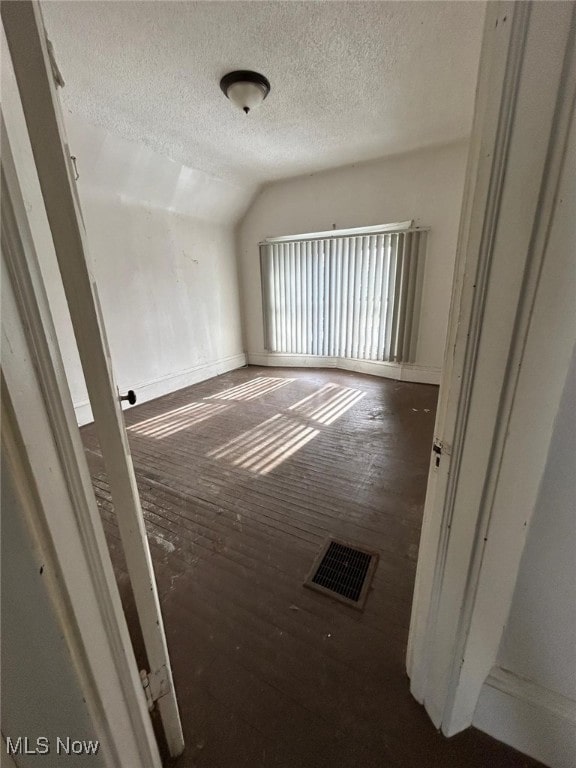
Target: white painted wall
{"points": [[36, 664], [529, 698], [540, 639], [425, 186], [161, 238], [163, 245]]}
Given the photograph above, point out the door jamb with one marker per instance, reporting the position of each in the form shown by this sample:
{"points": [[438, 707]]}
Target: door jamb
{"points": [[42, 446], [25, 34], [515, 158]]}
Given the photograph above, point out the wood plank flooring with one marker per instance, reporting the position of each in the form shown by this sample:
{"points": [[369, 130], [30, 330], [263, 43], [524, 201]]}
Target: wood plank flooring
{"points": [[242, 479]]}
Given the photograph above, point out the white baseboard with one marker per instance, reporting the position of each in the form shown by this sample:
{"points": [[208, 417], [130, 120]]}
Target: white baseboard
{"points": [[399, 371], [536, 721], [170, 383]]}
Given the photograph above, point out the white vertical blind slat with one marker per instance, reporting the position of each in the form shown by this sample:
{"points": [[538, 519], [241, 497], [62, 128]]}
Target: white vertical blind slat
{"points": [[372, 266], [383, 298], [309, 314], [326, 302], [410, 298], [395, 297], [323, 301], [284, 297], [377, 306], [337, 294], [333, 273], [350, 296], [271, 257], [286, 281], [316, 299], [357, 297], [364, 292], [390, 288], [402, 302], [302, 294], [292, 295]]}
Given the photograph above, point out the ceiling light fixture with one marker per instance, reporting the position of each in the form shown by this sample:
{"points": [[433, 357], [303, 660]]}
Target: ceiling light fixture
{"points": [[244, 88]]}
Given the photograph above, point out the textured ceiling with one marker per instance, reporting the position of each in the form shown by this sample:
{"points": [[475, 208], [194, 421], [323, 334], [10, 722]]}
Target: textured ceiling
{"points": [[350, 80]]}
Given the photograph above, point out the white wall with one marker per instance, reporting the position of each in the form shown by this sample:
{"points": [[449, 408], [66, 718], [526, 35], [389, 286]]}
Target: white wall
{"points": [[41, 694], [425, 186], [163, 244], [540, 638], [529, 698], [161, 238]]}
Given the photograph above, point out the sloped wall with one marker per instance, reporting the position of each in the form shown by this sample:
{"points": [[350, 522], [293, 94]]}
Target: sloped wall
{"points": [[178, 275], [161, 239]]}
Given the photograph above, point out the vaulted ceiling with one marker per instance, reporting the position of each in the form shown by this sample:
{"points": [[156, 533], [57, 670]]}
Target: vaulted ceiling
{"points": [[350, 80]]}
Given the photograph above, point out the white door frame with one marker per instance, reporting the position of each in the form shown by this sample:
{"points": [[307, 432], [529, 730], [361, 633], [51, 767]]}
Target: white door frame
{"points": [[474, 531], [26, 39], [43, 452], [524, 101]]}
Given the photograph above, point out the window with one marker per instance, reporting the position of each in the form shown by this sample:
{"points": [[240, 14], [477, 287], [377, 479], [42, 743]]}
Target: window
{"points": [[353, 293]]}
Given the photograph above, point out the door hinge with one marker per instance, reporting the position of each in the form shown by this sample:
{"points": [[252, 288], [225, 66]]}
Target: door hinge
{"points": [[56, 74], [439, 449], [156, 684]]}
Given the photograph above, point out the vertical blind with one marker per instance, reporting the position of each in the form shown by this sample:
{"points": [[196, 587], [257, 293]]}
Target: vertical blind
{"points": [[354, 296]]}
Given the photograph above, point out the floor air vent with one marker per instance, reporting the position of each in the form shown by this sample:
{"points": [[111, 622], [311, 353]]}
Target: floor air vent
{"points": [[343, 572]]}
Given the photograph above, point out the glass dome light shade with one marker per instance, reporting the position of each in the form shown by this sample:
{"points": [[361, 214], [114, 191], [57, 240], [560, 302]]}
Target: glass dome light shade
{"points": [[246, 89], [246, 96]]}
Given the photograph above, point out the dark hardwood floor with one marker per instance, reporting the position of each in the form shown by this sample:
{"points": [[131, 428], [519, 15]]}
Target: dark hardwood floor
{"points": [[242, 479]]}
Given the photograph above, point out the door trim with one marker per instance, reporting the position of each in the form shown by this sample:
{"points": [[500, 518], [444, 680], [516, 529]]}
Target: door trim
{"points": [[27, 45], [42, 445], [525, 99]]}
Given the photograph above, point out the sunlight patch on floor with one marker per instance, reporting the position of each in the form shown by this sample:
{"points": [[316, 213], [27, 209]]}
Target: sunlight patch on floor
{"points": [[328, 404], [262, 385], [178, 419], [267, 445]]}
